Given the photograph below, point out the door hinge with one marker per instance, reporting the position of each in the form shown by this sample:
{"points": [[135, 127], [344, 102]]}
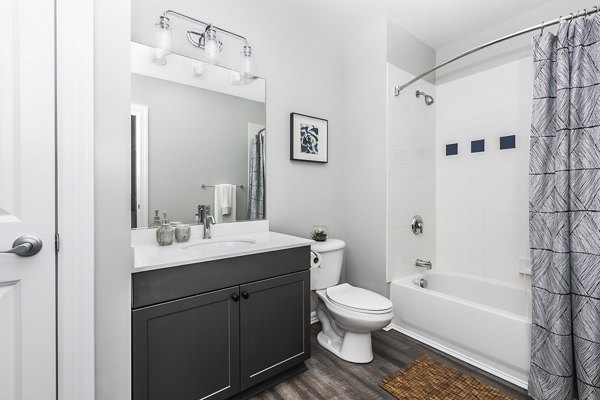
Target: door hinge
{"points": [[57, 242]]}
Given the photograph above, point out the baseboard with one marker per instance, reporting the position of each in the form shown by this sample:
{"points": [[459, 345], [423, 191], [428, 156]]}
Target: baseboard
{"points": [[313, 317], [469, 360]]}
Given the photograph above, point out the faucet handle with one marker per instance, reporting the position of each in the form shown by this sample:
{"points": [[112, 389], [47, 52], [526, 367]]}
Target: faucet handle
{"points": [[417, 225], [201, 213]]}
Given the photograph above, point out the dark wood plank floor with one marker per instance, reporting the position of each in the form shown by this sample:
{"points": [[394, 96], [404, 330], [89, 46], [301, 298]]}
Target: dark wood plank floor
{"points": [[329, 377]]}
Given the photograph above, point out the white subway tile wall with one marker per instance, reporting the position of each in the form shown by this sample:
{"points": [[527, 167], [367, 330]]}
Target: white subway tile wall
{"points": [[482, 198], [410, 175]]}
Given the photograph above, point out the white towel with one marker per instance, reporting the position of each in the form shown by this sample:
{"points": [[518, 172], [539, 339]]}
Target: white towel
{"points": [[224, 207]]}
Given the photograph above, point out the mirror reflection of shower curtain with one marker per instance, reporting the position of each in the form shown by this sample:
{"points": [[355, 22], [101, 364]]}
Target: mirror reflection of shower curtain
{"points": [[256, 179]]}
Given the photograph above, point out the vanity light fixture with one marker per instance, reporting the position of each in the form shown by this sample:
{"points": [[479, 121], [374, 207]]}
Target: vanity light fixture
{"points": [[207, 40]]}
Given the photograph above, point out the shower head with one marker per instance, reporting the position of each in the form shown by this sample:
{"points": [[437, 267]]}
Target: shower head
{"points": [[428, 99]]}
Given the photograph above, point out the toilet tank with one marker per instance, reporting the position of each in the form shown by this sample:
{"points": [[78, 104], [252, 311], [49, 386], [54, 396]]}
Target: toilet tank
{"points": [[328, 273]]}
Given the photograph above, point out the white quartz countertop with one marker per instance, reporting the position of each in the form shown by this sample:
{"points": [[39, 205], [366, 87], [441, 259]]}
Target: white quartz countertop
{"points": [[149, 256]]}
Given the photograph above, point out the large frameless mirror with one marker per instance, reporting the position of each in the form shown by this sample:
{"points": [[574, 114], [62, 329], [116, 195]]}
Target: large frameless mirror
{"points": [[197, 137]]}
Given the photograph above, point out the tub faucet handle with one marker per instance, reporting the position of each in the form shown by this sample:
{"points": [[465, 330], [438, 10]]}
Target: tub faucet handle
{"points": [[417, 225]]}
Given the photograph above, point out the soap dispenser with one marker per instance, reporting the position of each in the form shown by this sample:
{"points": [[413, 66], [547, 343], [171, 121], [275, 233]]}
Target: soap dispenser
{"points": [[166, 233], [156, 222]]}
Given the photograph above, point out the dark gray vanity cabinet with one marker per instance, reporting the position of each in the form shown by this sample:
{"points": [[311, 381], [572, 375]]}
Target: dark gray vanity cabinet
{"points": [[234, 337]]}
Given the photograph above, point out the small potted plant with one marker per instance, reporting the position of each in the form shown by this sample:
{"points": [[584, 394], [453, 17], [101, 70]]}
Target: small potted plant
{"points": [[319, 233]]}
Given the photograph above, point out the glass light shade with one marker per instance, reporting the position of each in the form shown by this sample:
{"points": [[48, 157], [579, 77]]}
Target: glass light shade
{"points": [[211, 46], [247, 66], [211, 51], [162, 36]]}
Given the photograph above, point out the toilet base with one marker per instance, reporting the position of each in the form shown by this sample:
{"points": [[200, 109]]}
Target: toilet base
{"points": [[353, 347]]}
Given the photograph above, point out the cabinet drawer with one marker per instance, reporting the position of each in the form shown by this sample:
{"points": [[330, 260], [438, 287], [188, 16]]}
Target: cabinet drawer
{"points": [[161, 285]]}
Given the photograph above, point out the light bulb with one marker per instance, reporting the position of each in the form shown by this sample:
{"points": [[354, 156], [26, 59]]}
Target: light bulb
{"points": [[211, 46], [247, 67], [163, 36]]}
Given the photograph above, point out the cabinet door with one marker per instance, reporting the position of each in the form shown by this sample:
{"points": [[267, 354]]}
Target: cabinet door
{"points": [[275, 326], [187, 349]]}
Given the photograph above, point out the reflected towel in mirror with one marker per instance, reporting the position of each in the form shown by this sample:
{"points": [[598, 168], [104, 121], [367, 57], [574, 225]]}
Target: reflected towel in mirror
{"points": [[225, 207]]}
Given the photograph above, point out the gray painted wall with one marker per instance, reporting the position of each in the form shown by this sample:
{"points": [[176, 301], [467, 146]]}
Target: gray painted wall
{"points": [[195, 136], [365, 157], [112, 235], [407, 52]]}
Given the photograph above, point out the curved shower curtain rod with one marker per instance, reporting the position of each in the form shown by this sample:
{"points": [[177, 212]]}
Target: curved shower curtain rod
{"points": [[585, 12]]}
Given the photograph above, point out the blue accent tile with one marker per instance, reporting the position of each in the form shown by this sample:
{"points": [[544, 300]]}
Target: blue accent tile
{"points": [[508, 142], [452, 149], [477, 146]]}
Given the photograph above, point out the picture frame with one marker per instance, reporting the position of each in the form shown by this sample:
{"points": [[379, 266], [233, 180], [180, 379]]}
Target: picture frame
{"points": [[309, 138]]}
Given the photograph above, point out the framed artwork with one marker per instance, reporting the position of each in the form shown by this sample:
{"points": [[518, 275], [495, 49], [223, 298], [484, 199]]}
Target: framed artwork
{"points": [[308, 138]]}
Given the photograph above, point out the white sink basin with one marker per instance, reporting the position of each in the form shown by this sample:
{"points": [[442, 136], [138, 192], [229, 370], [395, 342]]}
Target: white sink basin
{"points": [[221, 245]]}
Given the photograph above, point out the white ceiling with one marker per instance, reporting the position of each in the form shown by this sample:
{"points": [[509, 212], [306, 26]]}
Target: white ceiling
{"points": [[435, 22]]}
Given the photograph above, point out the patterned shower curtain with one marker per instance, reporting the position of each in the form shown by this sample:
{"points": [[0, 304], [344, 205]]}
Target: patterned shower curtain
{"points": [[256, 186], [564, 216]]}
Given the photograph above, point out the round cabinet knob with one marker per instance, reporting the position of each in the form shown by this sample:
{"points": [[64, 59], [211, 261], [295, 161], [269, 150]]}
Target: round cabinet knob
{"points": [[245, 295], [235, 297]]}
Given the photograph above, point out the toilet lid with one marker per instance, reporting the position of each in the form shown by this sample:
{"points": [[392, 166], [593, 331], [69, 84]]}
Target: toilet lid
{"points": [[357, 298]]}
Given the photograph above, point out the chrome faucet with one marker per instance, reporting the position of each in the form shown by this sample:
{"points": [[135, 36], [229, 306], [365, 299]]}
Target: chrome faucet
{"points": [[423, 264], [207, 220]]}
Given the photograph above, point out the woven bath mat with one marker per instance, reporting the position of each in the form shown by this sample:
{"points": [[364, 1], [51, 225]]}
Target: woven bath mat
{"points": [[429, 379]]}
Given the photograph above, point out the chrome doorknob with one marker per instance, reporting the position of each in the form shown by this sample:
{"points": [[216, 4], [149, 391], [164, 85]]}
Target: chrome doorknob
{"points": [[25, 246]]}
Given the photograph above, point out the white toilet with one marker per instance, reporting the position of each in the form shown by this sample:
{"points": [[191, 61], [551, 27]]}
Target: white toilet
{"points": [[348, 314]]}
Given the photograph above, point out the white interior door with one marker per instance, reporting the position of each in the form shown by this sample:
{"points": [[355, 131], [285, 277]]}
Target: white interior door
{"points": [[27, 199]]}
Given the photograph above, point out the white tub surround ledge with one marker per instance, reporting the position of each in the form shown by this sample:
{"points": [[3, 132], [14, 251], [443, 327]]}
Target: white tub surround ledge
{"points": [[228, 240]]}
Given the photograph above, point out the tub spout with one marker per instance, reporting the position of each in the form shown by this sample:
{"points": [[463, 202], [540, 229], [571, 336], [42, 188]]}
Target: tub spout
{"points": [[423, 264]]}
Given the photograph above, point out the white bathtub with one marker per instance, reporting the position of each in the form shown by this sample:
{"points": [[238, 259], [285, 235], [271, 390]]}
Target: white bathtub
{"points": [[479, 321]]}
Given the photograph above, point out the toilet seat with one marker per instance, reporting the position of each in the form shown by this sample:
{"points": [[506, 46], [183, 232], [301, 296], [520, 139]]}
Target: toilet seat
{"points": [[359, 300]]}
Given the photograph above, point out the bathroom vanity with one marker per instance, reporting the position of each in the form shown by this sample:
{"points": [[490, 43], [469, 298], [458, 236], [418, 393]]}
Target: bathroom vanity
{"points": [[229, 318]]}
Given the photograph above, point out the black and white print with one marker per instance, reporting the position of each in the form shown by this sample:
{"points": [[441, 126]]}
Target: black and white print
{"points": [[308, 138], [564, 213]]}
